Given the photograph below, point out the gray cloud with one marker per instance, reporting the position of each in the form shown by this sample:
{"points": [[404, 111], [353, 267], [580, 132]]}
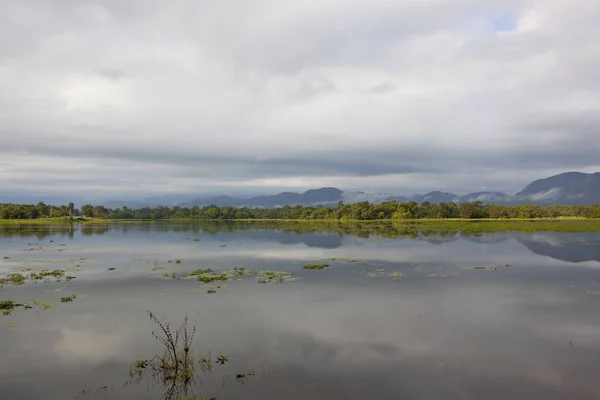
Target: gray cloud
{"points": [[120, 96]]}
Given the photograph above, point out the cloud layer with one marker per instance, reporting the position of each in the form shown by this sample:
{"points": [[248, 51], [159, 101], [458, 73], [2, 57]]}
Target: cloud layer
{"points": [[139, 97]]}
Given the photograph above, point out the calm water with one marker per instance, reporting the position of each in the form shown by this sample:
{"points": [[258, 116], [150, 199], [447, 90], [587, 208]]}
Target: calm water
{"points": [[357, 330]]}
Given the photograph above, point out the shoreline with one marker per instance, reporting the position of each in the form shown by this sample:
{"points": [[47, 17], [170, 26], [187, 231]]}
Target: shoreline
{"points": [[455, 224]]}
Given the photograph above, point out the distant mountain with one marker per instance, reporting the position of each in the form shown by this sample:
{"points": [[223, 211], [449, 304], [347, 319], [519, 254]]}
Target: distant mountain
{"points": [[327, 195], [567, 188], [570, 188]]}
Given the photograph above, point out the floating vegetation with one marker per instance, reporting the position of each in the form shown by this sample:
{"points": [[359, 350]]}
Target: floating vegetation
{"points": [[343, 259], [223, 245], [381, 273], [593, 292], [177, 261], [243, 377], [11, 325], [242, 272], [14, 279], [112, 269], [316, 266], [208, 275], [274, 277], [8, 306], [222, 359], [484, 268], [20, 278], [68, 299], [40, 304], [432, 275], [163, 294], [6, 257], [210, 291], [508, 265], [396, 275]]}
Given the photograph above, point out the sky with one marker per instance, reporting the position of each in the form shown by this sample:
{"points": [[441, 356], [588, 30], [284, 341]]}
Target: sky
{"points": [[130, 98]]}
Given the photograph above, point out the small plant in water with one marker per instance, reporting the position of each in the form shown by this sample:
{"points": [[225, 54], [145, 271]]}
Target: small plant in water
{"points": [[175, 369], [8, 306], [316, 266], [16, 279], [68, 299], [222, 359]]}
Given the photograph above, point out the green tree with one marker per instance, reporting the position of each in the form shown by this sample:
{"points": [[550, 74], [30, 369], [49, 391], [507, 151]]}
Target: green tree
{"points": [[87, 210]]}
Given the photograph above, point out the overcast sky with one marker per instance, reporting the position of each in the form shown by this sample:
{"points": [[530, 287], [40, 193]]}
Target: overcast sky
{"points": [[125, 98]]}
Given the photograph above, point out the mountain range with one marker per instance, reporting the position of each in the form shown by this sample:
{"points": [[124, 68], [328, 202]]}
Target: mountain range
{"points": [[571, 188]]}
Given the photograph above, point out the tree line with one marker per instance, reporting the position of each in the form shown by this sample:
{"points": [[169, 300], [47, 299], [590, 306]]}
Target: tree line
{"points": [[391, 210]]}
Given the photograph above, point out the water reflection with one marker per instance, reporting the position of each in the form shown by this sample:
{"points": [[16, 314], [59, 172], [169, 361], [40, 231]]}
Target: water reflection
{"points": [[564, 247], [570, 247], [444, 330]]}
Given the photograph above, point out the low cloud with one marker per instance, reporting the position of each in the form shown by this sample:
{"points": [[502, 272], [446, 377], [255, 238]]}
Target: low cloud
{"points": [[118, 96]]}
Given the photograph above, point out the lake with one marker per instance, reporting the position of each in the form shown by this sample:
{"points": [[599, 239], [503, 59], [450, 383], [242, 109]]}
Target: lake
{"points": [[489, 316]]}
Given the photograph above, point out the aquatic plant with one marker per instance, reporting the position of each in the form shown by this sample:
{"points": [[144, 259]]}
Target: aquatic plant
{"points": [[20, 278], [8, 306], [68, 299], [484, 268], [222, 359], [316, 266], [16, 278], [396, 275], [40, 304], [175, 368], [274, 277], [208, 275]]}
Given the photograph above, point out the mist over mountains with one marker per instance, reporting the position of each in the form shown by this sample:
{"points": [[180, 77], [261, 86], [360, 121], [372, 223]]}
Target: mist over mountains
{"points": [[571, 188]]}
